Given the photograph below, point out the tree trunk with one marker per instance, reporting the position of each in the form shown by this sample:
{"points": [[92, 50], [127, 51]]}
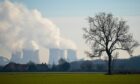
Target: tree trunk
{"points": [[109, 65], [109, 62]]}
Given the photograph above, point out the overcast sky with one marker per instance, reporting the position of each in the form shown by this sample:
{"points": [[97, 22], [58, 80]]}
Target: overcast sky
{"points": [[70, 16]]}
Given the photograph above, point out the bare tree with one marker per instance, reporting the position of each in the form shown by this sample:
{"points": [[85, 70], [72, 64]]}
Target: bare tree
{"points": [[108, 34]]}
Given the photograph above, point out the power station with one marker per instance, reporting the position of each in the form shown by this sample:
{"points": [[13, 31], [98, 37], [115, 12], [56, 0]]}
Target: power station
{"points": [[32, 55], [71, 55], [55, 54], [25, 56], [16, 56]]}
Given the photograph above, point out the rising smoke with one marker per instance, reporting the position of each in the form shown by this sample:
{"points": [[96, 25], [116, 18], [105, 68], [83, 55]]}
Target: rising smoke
{"points": [[23, 28]]}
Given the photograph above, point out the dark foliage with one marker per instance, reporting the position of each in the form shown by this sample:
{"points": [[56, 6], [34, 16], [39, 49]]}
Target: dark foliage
{"points": [[63, 65], [125, 66]]}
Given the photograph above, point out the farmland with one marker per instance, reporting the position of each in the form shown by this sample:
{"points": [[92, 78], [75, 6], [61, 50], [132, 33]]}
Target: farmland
{"points": [[66, 78]]}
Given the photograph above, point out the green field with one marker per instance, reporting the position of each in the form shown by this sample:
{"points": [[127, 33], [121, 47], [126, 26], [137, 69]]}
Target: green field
{"points": [[67, 78]]}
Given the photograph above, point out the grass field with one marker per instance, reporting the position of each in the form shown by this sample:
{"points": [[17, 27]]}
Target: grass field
{"points": [[67, 78]]}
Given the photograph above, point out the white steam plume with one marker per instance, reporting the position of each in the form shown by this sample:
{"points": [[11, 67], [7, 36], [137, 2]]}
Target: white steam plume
{"points": [[21, 27]]}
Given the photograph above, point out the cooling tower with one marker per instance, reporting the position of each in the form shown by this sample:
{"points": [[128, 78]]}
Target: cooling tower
{"points": [[30, 55], [55, 54], [16, 57], [71, 55]]}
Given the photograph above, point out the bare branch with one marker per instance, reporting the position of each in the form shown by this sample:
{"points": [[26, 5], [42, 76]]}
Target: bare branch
{"points": [[107, 33]]}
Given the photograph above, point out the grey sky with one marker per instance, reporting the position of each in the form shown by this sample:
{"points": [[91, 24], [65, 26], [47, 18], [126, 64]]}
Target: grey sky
{"points": [[70, 16]]}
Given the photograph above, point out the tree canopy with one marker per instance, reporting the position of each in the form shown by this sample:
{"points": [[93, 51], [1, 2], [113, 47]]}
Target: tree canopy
{"points": [[109, 34]]}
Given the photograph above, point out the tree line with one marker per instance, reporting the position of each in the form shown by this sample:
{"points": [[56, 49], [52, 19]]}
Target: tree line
{"points": [[118, 66]]}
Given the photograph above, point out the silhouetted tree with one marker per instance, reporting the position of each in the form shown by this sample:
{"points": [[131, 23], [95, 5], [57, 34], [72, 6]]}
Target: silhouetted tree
{"points": [[11, 66], [86, 66], [63, 65], [54, 68], [42, 67], [108, 34], [31, 66]]}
